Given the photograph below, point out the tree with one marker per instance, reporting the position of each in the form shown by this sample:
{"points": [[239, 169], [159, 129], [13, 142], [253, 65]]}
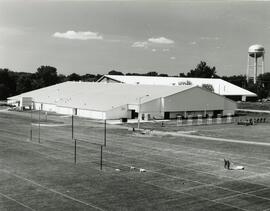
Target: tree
{"points": [[46, 76], [202, 70], [151, 73], [209, 87], [88, 77], [7, 83], [135, 74], [24, 83], [4, 92], [114, 72], [238, 80], [61, 78], [74, 77], [263, 86], [264, 80]]}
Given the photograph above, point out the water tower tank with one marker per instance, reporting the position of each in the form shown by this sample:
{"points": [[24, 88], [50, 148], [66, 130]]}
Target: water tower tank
{"points": [[257, 50]]}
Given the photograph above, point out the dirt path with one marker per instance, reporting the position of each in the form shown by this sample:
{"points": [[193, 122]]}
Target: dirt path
{"points": [[254, 111]]}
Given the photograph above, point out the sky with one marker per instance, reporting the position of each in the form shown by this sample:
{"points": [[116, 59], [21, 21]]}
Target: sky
{"points": [[131, 36]]}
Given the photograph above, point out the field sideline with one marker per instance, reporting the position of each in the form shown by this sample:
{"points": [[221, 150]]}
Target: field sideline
{"points": [[182, 173]]}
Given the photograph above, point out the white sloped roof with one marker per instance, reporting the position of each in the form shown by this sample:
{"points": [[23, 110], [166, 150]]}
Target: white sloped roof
{"points": [[220, 86], [98, 96]]}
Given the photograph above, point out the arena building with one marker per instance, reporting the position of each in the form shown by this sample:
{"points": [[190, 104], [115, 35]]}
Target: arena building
{"points": [[125, 101], [219, 86]]}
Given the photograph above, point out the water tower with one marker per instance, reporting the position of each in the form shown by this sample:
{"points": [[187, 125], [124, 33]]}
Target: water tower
{"points": [[255, 52]]}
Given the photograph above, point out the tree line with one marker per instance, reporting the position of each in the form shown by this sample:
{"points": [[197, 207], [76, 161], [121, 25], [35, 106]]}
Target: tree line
{"points": [[14, 83]]}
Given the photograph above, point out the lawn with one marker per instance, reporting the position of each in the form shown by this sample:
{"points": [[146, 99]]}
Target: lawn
{"points": [[254, 105], [181, 173]]}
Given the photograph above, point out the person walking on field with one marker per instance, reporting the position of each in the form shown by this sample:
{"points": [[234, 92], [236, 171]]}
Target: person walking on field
{"points": [[228, 164], [225, 163]]}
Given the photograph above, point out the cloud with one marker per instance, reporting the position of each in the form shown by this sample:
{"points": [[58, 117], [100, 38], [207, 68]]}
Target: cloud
{"points": [[154, 50], [161, 40], [80, 35], [172, 58], [139, 44], [193, 43], [209, 38], [165, 49]]}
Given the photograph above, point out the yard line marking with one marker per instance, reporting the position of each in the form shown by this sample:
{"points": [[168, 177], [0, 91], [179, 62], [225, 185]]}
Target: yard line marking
{"points": [[216, 139], [249, 193], [52, 190], [8, 197], [224, 154], [184, 168], [150, 161], [174, 176], [214, 185], [184, 189], [200, 197], [189, 148], [177, 146], [181, 178], [204, 149]]}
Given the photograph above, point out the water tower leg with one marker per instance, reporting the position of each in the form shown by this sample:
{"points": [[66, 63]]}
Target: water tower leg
{"points": [[247, 75], [255, 69], [262, 64]]}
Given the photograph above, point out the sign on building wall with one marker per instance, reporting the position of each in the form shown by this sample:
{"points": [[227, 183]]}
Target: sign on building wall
{"points": [[26, 102]]}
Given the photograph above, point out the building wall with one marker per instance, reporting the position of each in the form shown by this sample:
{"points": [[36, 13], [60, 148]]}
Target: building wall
{"points": [[193, 101], [64, 110], [229, 107], [197, 99], [155, 108], [118, 112], [91, 114], [44, 107], [185, 114], [49, 107]]}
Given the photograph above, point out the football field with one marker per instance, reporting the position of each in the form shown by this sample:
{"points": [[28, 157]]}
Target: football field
{"points": [[182, 172]]}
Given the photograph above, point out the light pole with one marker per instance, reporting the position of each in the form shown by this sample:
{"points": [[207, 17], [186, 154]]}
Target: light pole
{"points": [[31, 129], [139, 109]]}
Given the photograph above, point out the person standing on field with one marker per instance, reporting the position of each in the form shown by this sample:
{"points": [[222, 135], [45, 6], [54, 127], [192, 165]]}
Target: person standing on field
{"points": [[228, 164], [225, 163]]}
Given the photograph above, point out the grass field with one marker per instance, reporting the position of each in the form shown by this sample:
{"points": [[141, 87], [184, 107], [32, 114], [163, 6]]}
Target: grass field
{"points": [[254, 105], [182, 172]]}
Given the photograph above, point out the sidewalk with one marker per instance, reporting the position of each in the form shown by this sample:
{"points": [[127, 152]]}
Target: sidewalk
{"points": [[254, 111]]}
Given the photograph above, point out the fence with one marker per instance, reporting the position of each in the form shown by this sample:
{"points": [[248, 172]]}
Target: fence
{"points": [[191, 121]]}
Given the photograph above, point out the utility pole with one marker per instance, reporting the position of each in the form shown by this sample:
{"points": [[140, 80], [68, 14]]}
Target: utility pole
{"points": [[101, 152], [39, 125], [72, 127], [31, 131], [105, 135]]}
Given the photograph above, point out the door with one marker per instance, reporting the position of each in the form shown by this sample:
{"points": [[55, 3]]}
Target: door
{"points": [[134, 114], [166, 115]]}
